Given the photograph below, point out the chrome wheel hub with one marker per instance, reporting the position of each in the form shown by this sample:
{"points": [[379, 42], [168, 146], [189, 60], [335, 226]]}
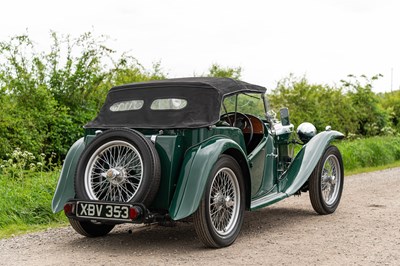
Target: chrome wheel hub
{"points": [[222, 201], [115, 176]]}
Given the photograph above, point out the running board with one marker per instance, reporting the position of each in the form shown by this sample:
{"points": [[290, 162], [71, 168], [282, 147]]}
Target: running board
{"points": [[267, 200]]}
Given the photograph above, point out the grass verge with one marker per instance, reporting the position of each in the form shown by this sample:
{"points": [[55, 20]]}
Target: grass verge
{"points": [[25, 203], [371, 169], [362, 154]]}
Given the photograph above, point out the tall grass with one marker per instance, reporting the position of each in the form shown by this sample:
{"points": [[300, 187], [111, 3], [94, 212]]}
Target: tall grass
{"points": [[27, 201], [370, 152]]}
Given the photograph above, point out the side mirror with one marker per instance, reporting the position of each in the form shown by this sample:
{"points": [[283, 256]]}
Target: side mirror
{"points": [[284, 112]]}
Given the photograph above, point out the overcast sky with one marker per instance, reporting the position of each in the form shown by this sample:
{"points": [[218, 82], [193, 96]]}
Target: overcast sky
{"points": [[323, 40]]}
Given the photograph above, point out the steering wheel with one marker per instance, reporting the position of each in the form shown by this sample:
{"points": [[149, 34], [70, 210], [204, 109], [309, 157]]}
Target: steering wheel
{"points": [[242, 122]]}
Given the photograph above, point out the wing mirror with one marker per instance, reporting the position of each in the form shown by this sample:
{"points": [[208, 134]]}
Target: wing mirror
{"points": [[284, 112]]}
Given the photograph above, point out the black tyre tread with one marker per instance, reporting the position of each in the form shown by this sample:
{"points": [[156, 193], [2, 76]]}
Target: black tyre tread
{"points": [[89, 229], [200, 221], [200, 225], [148, 147], [314, 183], [152, 191]]}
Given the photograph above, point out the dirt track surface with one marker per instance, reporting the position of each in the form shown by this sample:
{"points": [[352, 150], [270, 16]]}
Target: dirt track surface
{"points": [[364, 230]]}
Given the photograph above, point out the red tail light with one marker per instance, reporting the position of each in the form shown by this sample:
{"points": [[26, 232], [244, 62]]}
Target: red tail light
{"points": [[68, 208], [134, 212]]}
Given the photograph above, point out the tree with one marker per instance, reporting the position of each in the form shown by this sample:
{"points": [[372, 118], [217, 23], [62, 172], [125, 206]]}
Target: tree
{"points": [[318, 104], [371, 117], [224, 72], [390, 102]]}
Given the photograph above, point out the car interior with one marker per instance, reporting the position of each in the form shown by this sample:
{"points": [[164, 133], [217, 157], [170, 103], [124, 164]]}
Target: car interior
{"points": [[252, 127]]}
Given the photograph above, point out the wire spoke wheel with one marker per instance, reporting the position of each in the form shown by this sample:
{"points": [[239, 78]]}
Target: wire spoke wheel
{"points": [[326, 182], [114, 172], [219, 218], [330, 182], [223, 201]]}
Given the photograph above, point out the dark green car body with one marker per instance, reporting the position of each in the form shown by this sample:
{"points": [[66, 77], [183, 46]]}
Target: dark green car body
{"points": [[188, 155]]}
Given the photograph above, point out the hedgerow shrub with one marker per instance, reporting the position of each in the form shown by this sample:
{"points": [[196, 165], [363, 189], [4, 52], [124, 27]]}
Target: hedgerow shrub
{"points": [[46, 98]]}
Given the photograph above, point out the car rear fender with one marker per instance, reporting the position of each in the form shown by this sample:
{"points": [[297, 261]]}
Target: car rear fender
{"points": [[306, 160], [197, 165], [65, 187]]}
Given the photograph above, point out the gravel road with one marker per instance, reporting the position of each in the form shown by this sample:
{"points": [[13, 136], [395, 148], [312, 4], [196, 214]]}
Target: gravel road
{"points": [[364, 230]]}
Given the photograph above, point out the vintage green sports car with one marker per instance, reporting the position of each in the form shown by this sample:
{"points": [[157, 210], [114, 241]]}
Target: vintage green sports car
{"points": [[205, 148]]}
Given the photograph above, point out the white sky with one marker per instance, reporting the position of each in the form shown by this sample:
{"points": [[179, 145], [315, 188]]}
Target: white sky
{"points": [[323, 39]]}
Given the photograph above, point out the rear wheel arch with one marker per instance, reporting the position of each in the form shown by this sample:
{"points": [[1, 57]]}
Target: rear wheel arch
{"points": [[241, 160], [199, 161]]}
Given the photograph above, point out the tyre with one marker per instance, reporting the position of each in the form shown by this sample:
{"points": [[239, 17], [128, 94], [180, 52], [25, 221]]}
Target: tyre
{"points": [[90, 229], [119, 165], [326, 182], [219, 218]]}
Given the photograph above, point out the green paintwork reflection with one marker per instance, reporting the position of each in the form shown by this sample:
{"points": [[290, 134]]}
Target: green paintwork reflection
{"points": [[65, 188], [306, 160], [269, 166], [299, 170], [257, 160], [170, 149], [197, 165]]}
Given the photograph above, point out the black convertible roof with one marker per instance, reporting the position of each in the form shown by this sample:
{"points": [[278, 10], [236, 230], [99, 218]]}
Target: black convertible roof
{"points": [[224, 86], [203, 96]]}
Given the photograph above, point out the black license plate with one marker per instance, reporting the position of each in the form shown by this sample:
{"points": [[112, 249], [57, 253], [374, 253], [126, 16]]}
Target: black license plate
{"points": [[103, 211]]}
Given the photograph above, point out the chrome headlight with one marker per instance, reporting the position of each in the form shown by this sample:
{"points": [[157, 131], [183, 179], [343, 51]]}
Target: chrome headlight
{"points": [[306, 131]]}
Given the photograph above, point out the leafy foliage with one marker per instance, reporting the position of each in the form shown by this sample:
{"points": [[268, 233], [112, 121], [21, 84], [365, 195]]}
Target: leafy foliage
{"points": [[219, 71], [317, 104], [20, 163], [391, 103], [352, 108], [45, 98], [371, 118]]}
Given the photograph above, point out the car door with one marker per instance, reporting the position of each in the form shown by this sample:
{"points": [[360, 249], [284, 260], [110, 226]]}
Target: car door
{"points": [[262, 161]]}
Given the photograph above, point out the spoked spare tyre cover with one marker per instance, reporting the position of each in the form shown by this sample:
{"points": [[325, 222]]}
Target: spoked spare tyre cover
{"points": [[119, 165]]}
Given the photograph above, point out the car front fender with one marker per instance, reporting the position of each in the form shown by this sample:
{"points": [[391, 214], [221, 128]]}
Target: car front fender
{"points": [[197, 165], [306, 160], [65, 188]]}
